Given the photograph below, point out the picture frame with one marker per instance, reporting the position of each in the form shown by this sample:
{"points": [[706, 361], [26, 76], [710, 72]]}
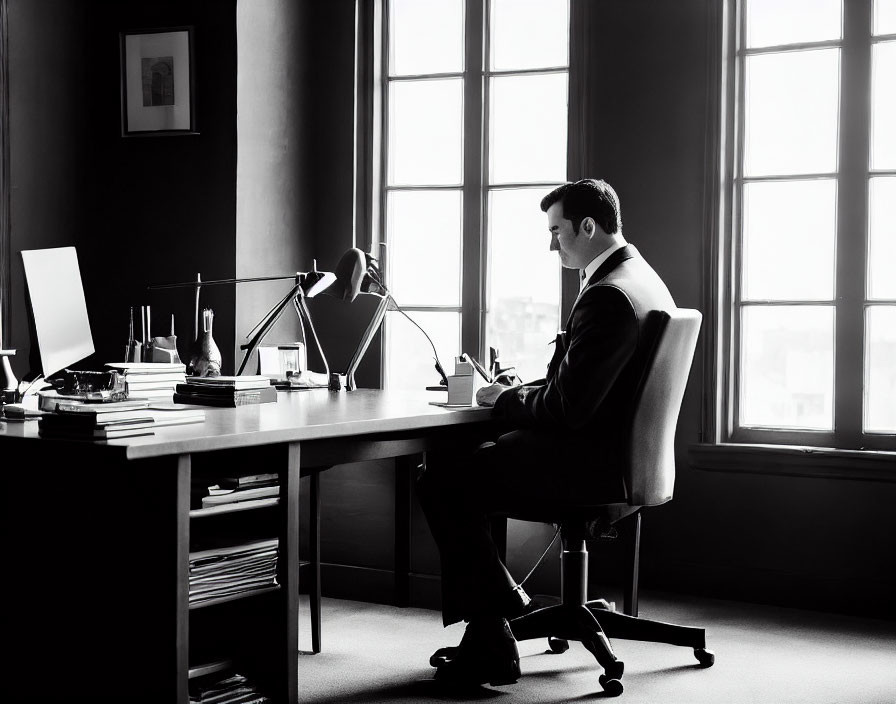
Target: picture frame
{"points": [[277, 361], [157, 82]]}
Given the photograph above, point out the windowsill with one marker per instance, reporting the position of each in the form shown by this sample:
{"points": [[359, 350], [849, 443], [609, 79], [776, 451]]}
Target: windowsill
{"points": [[794, 461]]}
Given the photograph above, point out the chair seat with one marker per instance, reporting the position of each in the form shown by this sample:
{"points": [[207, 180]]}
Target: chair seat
{"points": [[581, 522]]}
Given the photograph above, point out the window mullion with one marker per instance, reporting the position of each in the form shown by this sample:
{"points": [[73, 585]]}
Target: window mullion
{"points": [[852, 219], [474, 148]]}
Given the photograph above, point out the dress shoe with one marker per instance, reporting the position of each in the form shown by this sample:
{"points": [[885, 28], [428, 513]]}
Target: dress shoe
{"points": [[487, 654], [514, 604]]}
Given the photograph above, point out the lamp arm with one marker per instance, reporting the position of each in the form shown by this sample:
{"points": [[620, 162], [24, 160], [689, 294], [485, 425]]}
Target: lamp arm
{"points": [[272, 316], [305, 314], [372, 327]]}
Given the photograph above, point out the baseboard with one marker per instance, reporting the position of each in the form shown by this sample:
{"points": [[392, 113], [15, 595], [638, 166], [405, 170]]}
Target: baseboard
{"points": [[371, 585], [753, 585], [831, 593]]}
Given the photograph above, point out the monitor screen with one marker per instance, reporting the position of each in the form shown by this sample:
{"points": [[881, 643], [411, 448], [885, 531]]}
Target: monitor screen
{"points": [[60, 311]]}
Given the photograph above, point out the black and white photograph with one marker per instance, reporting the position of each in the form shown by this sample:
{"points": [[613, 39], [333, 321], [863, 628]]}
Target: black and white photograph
{"points": [[157, 82], [439, 351]]}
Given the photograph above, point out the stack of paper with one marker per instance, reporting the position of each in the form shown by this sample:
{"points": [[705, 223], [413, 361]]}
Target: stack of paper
{"points": [[107, 421], [230, 689], [150, 379], [226, 390], [240, 489], [220, 572]]}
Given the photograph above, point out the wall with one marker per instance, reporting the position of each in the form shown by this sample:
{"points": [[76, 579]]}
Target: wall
{"points": [[273, 204], [47, 188], [141, 210], [786, 540]]}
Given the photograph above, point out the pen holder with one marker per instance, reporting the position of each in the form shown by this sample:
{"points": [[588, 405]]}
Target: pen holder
{"points": [[460, 384], [8, 384], [163, 349]]}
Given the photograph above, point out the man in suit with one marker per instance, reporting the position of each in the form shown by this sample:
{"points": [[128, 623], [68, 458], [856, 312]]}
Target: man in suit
{"points": [[566, 438]]}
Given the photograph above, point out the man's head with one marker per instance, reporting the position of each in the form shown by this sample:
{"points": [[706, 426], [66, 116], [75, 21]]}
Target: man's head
{"points": [[584, 219]]}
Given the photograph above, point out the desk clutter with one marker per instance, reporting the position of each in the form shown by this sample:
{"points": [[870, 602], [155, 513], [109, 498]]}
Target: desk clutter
{"points": [[228, 391], [225, 572], [254, 490], [150, 379], [79, 420], [232, 688]]}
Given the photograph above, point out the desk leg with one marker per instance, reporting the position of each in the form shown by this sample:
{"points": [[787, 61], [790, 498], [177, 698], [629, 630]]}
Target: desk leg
{"points": [[314, 550], [404, 478], [289, 573], [182, 590]]}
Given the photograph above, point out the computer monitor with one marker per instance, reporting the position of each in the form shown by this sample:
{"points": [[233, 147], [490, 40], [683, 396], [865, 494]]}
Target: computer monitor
{"points": [[60, 311]]}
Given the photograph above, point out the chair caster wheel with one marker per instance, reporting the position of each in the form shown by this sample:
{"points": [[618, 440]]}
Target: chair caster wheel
{"points": [[558, 645], [612, 687], [705, 657]]}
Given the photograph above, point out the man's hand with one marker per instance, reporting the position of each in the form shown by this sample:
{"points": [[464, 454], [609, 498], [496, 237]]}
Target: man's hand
{"points": [[487, 395]]}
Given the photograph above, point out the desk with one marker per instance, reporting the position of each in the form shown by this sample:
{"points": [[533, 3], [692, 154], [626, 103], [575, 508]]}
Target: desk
{"points": [[98, 536]]}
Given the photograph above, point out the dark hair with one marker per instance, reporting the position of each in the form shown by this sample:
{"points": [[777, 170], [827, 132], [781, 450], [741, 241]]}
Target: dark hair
{"points": [[587, 198]]}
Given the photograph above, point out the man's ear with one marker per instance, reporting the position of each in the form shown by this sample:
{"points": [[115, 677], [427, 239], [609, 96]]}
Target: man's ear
{"points": [[588, 226]]}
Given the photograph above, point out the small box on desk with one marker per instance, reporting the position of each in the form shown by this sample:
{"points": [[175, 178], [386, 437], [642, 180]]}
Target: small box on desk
{"points": [[460, 385]]}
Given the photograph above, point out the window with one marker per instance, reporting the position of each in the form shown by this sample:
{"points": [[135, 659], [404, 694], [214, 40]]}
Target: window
{"points": [[810, 323], [474, 116]]}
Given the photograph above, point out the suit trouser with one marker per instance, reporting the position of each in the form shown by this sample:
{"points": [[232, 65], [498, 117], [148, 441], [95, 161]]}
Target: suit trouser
{"points": [[523, 472]]}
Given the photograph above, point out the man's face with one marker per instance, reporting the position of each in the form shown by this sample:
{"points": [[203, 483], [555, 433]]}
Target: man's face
{"points": [[564, 239]]}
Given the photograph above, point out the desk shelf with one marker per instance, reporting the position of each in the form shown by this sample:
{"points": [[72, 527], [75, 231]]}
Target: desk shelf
{"points": [[235, 597], [209, 668], [234, 507]]}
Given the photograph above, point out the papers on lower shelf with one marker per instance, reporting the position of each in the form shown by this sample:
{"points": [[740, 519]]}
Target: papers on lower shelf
{"points": [[229, 571], [218, 496], [227, 689]]}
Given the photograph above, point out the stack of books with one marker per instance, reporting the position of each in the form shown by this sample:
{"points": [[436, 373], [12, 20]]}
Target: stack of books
{"points": [[250, 491], [225, 390], [150, 379], [233, 688], [118, 419], [221, 572]]}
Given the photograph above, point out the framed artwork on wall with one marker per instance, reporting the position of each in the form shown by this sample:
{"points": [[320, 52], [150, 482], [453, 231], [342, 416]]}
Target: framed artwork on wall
{"points": [[157, 84]]}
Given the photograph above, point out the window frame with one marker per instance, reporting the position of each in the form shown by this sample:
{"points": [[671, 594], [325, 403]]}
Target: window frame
{"points": [[372, 188], [724, 216]]}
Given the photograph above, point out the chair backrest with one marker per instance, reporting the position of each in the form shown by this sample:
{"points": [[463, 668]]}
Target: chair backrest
{"points": [[650, 471]]}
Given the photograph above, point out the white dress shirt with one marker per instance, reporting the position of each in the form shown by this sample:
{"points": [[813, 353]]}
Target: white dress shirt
{"points": [[595, 263]]}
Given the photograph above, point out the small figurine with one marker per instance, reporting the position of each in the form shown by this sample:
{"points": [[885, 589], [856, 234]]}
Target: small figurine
{"points": [[205, 357]]}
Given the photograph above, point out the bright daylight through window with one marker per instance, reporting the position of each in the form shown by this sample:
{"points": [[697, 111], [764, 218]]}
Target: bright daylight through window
{"points": [[813, 313], [475, 115]]}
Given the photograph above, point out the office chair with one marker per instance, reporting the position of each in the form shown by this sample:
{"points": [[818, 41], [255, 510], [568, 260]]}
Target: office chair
{"points": [[649, 479]]}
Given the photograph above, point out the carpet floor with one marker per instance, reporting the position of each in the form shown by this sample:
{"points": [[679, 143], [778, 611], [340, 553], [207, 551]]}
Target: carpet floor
{"points": [[764, 655]]}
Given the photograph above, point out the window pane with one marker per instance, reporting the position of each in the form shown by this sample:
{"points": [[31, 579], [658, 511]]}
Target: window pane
{"points": [[791, 113], [885, 16], [426, 132], [528, 128], [409, 360], [882, 238], [523, 310], [529, 34], [426, 36], [787, 367], [418, 224], [774, 22], [880, 370], [883, 106], [786, 222]]}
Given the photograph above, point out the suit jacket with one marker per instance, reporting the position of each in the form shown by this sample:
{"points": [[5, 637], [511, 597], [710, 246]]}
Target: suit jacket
{"points": [[586, 398]]}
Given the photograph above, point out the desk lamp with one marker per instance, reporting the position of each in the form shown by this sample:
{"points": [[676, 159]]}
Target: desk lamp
{"points": [[307, 285], [358, 272]]}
